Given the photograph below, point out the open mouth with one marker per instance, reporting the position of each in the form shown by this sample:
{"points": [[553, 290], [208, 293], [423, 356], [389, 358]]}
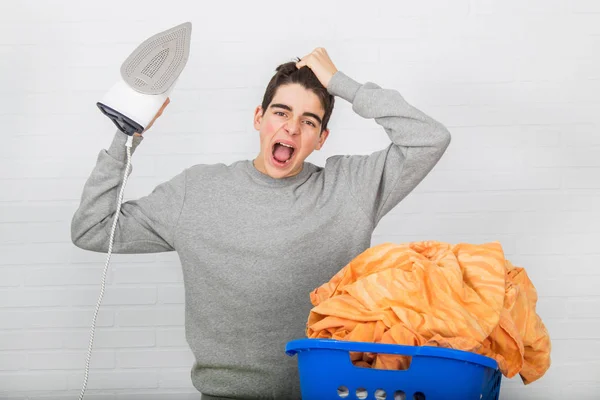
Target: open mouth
{"points": [[282, 153]]}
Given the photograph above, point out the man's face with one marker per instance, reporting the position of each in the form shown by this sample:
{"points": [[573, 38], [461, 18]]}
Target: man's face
{"points": [[290, 130]]}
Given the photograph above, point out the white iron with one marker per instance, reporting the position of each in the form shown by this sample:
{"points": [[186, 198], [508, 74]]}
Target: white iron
{"points": [[148, 77]]}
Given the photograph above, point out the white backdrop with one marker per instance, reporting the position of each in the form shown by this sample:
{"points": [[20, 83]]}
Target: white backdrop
{"points": [[516, 82]]}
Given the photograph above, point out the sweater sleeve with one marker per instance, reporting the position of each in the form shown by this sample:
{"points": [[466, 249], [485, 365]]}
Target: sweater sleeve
{"points": [[145, 225], [379, 181]]}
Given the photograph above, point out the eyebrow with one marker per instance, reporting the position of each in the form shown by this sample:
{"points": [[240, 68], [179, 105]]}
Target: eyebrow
{"points": [[308, 114]]}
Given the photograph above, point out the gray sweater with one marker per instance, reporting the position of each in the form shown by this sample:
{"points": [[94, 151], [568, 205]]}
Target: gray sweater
{"points": [[253, 247]]}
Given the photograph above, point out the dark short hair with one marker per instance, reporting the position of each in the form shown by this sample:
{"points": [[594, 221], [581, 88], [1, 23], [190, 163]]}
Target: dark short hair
{"points": [[287, 73]]}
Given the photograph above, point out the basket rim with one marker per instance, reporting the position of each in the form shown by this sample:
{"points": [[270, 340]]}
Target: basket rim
{"points": [[298, 345]]}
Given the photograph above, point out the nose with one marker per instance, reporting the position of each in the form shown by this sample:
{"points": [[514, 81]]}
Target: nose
{"points": [[292, 127]]}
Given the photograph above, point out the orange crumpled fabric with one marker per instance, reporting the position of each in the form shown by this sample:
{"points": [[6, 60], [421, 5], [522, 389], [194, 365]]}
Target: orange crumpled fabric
{"points": [[465, 296]]}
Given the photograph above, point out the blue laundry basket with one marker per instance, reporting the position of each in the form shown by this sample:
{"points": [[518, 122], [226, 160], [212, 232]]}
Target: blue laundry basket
{"points": [[327, 373]]}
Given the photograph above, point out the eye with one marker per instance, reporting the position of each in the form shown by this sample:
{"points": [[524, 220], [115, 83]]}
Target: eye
{"points": [[312, 124], [280, 113]]}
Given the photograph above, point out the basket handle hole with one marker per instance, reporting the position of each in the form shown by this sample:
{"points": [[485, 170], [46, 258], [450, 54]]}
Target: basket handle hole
{"points": [[343, 392], [389, 361], [419, 396], [380, 394], [361, 393], [399, 395]]}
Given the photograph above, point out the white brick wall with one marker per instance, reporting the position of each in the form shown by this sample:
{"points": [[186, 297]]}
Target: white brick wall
{"points": [[515, 81]]}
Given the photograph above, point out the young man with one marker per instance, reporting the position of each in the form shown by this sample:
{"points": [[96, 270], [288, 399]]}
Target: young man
{"points": [[257, 236]]}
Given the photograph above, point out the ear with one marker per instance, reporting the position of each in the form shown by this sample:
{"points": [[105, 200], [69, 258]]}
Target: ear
{"points": [[322, 139], [258, 116]]}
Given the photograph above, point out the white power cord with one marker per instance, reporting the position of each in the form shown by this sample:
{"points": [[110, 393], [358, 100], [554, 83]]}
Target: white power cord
{"points": [[120, 199]]}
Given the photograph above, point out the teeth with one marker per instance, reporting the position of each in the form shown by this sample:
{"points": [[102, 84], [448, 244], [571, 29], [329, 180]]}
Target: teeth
{"points": [[286, 145]]}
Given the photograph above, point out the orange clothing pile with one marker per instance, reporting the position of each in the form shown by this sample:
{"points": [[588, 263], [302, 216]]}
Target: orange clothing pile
{"points": [[464, 296]]}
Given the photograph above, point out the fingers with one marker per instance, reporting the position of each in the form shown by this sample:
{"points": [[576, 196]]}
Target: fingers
{"points": [[308, 59], [165, 104], [158, 114], [302, 62]]}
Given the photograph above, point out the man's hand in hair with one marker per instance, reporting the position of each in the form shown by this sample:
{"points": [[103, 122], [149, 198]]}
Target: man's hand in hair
{"points": [[320, 64]]}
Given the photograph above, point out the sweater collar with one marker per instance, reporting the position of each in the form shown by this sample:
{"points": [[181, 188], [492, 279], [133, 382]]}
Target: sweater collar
{"points": [[264, 178]]}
